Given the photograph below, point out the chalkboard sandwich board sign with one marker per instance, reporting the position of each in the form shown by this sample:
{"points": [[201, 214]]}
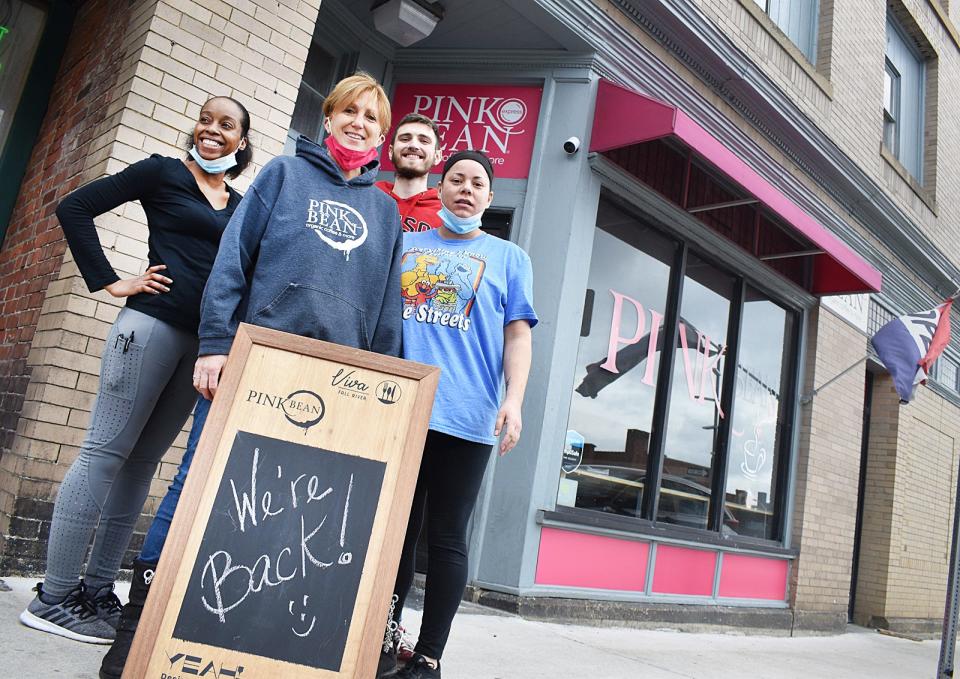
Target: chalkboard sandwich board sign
{"points": [[283, 552]]}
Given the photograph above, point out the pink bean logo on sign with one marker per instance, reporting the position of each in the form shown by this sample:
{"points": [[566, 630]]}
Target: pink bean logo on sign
{"points": [[500, 120], [511, 112]]}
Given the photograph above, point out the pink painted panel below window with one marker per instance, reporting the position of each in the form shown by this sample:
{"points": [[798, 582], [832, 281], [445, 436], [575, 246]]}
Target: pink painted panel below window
{"points": [[684, 571], [751, 577], [579, 560]]}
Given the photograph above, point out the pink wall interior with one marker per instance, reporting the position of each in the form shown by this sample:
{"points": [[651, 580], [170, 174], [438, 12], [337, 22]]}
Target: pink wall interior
{"points": [[679, 570], [580, 560], [571, 559], [750, 577]]}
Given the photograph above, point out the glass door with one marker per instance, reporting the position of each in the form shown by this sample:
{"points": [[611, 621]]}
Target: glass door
{"points": [[21, 25]]}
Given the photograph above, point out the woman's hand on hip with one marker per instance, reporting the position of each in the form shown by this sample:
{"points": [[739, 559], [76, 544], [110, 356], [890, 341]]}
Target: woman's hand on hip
{"points": [[206, 374], [150, 282], [508, 422]]}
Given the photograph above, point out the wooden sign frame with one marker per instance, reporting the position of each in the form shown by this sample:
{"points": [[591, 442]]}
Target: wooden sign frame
{"points": [[370, 406]]}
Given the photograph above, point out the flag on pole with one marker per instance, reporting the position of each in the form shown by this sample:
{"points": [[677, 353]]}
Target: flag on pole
{"points": [[909, 345]]}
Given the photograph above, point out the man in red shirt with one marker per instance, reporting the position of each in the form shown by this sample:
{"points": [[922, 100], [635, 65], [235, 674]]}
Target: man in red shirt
{"points": [[414, 151]]}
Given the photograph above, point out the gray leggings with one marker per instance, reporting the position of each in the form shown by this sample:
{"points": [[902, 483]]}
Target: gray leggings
{"points": [[145, 396]]}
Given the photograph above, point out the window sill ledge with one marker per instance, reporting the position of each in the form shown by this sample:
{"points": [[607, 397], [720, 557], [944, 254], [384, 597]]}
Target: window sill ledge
{"points": [[781, 38], [924, 194], [585, 520]]}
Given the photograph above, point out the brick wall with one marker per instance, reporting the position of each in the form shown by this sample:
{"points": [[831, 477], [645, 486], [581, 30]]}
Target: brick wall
{"points": [[911, 477], [29, 261], [923, 508], [878, 513], [909, 502], [172, 55], [828, 469]]}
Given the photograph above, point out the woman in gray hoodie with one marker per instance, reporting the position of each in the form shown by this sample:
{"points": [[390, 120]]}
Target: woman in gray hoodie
{"points": [[313, 249]]}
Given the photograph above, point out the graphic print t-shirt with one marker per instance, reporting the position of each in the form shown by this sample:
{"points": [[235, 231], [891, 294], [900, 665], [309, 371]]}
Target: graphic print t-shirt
{"points": [[457, 297]]}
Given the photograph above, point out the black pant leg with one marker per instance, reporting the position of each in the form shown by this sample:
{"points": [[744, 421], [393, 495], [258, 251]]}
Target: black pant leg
{"points": [[408, 556], [456, 469]]}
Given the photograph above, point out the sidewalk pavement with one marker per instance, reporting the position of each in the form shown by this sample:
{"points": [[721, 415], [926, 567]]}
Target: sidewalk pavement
{"points": [[487, 644]]}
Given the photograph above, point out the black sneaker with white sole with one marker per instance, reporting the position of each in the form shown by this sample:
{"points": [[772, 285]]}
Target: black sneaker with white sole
{"points": [[74, 617], [418, 668], [108, 604]]}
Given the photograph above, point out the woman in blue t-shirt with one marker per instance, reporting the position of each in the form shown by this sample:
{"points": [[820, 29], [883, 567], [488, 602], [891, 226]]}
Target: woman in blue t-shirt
{"points": [[145, 392], [468, 308]]}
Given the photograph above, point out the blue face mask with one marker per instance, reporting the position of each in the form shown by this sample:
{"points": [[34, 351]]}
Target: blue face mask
{"points": [[459, 225], [217, 166]]}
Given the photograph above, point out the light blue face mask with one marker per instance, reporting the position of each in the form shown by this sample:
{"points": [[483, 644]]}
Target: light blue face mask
{"points": [[217, 166], [459, 225]]}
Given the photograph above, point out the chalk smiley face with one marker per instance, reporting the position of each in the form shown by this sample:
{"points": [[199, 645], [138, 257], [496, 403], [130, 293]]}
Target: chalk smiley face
{"points": [[303, 618]]}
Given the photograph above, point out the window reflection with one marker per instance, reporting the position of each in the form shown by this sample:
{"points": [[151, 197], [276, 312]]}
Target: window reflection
{"points": [[757, 424], [617, 362], [622, 342], [695, 409]]}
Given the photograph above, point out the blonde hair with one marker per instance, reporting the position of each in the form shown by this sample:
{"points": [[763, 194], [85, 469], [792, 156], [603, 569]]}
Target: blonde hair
{"points": [[350, 89]]}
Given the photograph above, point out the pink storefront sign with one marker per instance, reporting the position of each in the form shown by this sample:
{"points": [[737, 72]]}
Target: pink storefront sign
{"points": [[500, 120]]}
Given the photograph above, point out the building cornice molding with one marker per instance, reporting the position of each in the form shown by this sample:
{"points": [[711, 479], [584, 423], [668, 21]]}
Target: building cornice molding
{"points": [[680, 28], [494, 60]]}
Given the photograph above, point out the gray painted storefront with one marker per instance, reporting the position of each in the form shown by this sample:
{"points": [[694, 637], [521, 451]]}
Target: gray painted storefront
{"points": [[572, 45], [554, 211]]}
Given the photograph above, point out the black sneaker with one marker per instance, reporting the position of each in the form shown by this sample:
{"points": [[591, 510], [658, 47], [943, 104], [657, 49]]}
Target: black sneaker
{"points": [[418, 668], [388, 662], [111, 667], [108, 605], [75, 617]]}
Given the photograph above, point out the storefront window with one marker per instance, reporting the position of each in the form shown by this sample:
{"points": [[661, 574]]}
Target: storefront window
{"points": [[695, 409], [318, 79], [21, 24], [709, 456], [617, 364], [758, 416]]}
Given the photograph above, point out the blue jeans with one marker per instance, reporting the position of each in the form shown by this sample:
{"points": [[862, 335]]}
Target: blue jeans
{"points": [[157, 535]]}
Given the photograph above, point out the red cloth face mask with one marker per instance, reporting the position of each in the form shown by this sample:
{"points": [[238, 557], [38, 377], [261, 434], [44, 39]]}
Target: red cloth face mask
{"points": [[347, 158]]}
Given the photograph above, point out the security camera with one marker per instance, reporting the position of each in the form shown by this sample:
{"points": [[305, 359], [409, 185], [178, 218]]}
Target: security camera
{"points": [[572, 145]]}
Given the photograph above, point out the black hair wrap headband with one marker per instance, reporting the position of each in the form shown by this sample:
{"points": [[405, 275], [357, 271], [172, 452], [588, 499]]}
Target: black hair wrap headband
{"points": [[478, 156]]}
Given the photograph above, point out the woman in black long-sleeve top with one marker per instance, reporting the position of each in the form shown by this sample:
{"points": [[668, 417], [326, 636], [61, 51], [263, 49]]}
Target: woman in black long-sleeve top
{"points": [[146, 388]]}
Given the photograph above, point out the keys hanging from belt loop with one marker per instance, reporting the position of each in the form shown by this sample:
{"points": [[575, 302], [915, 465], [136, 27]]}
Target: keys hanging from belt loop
{"points": [[126, 341]]}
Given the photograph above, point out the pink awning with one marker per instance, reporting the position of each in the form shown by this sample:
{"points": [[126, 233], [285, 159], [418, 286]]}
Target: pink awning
{"points": [[625, 118]]}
